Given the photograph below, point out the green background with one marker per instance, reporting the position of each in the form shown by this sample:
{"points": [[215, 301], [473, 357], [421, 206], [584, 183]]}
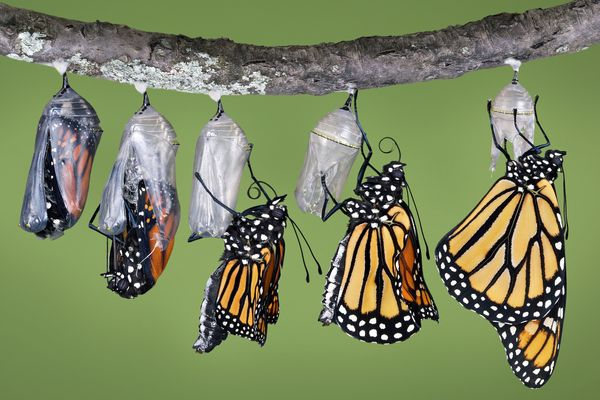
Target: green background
{"points": [[63, 335]]}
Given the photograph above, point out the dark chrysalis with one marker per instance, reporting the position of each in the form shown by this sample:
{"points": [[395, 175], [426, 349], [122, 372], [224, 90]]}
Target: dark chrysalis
{"points": [[241, 296], [375, 289], [139, 211], [57, 186]]}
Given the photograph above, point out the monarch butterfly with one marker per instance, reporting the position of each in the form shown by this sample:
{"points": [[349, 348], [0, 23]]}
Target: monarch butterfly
{"points": [[241, 296], [506, 259], [375, 289], [57, 186], [139, 211]]}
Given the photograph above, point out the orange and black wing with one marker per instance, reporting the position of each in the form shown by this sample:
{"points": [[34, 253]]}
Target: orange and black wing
{"points": [[271, 282], [408, 261], [370, 306], [243, 296], [74, 147], [138, 256], [506, 260], [532, 347]]}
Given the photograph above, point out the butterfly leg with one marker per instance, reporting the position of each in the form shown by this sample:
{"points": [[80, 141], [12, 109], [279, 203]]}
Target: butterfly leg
{"points": [[212, 196], [96, 229], [494, 138], [325, 215], [537, 121]]}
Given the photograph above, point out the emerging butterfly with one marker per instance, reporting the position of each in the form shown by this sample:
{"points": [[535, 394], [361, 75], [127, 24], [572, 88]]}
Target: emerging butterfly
{"points": [[139, 211], [375, 289], [57, 187], [241, 296], [506, 260]]}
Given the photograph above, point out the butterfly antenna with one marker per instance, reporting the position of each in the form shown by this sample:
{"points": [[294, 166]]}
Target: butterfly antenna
{"points": [[256, 181], [565, 203], [394, 145], [419, 219], [496, 144], [212, 196], [319, 270], [253, 186], [301, 253]]}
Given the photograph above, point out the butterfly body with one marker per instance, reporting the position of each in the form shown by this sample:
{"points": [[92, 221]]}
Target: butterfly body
{"points": [[375, 289], [241, 296]]}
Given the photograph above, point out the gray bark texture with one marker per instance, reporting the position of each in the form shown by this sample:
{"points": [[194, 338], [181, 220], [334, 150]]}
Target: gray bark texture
{"points": [[199, 65]]}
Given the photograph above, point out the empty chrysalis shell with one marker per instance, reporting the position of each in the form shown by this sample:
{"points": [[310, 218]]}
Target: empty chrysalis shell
{"points": [[57, 186], [512, 96], [332, 148], [140, 208], [221, 152]]}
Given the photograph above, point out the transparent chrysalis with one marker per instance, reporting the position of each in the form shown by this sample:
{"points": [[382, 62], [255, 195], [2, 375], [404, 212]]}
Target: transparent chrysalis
{"points": [[139, 210], [332, 147], [67, 137], [221, 153], [512, 97]]}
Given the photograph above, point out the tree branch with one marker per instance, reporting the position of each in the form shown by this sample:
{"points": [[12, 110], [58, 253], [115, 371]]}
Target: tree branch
{"points": [[176, 62]]}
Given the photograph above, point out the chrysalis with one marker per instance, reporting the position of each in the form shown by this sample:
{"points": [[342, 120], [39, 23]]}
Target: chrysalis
{"points": [[221, 152], [139, 210], [57, 187], [512, 97], [332, 148]]}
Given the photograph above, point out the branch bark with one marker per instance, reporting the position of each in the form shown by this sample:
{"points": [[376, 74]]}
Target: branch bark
{"points": [[199, 65]]}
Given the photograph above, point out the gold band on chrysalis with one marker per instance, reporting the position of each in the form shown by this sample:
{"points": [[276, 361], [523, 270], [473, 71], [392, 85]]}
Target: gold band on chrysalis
{"points": [[332, 139], [499, 111]]}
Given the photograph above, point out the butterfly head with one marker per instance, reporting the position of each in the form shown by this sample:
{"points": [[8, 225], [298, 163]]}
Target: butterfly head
{"points": [[394, 171], [278, 210], [555, 157]]}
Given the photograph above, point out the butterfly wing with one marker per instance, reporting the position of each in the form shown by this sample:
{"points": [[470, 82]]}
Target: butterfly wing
{"points": [[506, 260], [408, 260], [137, 259], [532, 347], [75, 146], [271, 282], [243, 296], [57, 214], [370, 307]]}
